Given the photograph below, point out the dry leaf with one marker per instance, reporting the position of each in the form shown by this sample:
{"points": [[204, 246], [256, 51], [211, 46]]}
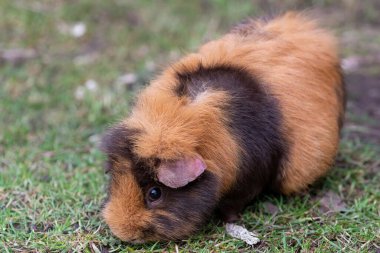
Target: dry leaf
{"points": [[242, 233], [331, 202]]}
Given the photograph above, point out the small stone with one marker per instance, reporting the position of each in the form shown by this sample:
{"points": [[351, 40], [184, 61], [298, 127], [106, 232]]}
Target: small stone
{"points": [[126, 79], [271, 208], [331, 202]]}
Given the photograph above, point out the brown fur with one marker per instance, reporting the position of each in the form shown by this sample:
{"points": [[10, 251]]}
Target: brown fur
{"points": [[118, 211], [297, 64]]}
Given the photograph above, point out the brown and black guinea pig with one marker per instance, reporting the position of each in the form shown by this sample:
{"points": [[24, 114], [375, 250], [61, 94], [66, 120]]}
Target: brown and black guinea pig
{"points": [[258, 109]]}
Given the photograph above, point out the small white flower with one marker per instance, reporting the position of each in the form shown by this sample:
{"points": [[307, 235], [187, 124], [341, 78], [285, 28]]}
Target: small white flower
{"points": [[91, 85], [78, 29]]}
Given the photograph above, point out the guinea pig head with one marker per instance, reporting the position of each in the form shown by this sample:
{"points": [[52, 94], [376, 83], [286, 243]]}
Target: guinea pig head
{"points": [[155, 197], [167, 169]]}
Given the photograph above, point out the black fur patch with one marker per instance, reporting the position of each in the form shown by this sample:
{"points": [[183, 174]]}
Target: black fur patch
{"points": [[192, 205], [254, 119], [117, 142]]}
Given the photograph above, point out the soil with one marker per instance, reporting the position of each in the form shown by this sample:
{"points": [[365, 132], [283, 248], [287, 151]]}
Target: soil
{"points": [[363, 107]]}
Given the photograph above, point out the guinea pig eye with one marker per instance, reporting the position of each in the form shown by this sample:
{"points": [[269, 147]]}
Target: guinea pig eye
{"points": [[154, 194]]}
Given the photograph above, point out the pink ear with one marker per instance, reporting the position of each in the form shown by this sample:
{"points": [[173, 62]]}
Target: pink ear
{"points": [[178, 173]]}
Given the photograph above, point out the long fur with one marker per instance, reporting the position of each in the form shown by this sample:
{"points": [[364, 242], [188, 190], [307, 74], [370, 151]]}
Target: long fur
{"points": [[285, 142]]}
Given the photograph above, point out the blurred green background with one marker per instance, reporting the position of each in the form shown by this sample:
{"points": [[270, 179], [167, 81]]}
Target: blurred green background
{"points": [[69, 69]]}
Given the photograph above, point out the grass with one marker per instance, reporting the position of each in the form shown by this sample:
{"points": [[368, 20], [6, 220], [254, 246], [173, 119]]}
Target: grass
{"points": [[51, 177]]}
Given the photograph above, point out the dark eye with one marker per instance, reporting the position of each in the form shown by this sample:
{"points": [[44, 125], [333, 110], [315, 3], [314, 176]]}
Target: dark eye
{"points": [[154, 194]]}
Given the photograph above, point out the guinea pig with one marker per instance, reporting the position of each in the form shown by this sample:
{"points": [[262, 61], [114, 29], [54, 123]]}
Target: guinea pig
{"points": [[259, 109]]}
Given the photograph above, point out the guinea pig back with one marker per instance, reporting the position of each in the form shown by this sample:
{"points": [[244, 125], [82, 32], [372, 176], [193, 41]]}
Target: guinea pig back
{"points": [[260, 108]]}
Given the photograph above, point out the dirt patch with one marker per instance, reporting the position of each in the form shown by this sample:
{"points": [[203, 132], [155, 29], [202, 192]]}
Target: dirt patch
{"points": [[363, 107]]}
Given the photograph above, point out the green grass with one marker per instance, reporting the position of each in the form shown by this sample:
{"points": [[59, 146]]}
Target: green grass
{"points": [[51, 178]]}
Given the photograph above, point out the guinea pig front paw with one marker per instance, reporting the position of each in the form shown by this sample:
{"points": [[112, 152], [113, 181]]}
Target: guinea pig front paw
{"points": [[230, 217], [230, 213]]}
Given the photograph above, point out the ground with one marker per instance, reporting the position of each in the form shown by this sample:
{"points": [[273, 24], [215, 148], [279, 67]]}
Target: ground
{"points": [[69, 69]]}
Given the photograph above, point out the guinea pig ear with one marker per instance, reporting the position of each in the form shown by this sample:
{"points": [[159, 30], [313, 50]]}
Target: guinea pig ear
{"points": [[178, 173]]}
